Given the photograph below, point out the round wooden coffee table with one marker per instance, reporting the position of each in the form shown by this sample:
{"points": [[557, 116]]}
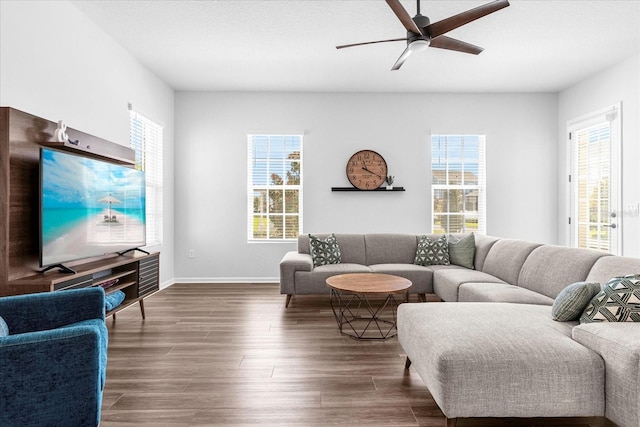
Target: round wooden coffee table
{"points": [[351, 301]]}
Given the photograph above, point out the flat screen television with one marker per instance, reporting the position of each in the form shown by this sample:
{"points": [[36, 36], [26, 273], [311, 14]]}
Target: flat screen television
{"points": [[88, 208]]}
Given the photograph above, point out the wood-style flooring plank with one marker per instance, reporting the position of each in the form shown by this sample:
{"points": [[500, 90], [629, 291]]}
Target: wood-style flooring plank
{"points": [[232, 355]]}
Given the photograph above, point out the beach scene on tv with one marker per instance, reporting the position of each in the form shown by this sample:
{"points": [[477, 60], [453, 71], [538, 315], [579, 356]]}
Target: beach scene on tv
{"points": [[88, 207]]}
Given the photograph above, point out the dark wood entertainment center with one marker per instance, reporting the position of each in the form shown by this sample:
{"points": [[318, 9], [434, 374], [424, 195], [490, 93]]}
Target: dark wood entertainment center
{"points": [[21, 136]]}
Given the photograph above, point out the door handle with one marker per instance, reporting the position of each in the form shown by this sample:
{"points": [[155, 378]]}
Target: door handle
{"points": [[610, 225]]}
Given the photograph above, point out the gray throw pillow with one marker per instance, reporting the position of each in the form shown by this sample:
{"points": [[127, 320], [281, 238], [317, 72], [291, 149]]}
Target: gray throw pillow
{"points": [[432, 252], [618, 301], [4, 329], [572, 300], [462, 250], [325, 251]]}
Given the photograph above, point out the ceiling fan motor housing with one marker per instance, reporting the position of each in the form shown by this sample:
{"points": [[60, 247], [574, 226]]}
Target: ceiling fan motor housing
{"points": [[422, 22]]}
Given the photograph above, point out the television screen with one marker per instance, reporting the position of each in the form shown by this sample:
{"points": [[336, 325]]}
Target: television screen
{"points": [[88, 207]]}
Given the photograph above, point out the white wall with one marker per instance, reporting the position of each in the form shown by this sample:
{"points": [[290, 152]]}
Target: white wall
{"points": [[57, 64], [620, 83], [211, 167]]}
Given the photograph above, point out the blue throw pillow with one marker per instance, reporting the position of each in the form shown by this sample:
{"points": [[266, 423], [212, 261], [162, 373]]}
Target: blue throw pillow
{"points": [[113, 300], [4, 329]]}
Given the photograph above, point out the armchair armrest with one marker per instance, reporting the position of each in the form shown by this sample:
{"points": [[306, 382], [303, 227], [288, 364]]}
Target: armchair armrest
{"points": [[50, 310], [291, 262], [53, 377]]}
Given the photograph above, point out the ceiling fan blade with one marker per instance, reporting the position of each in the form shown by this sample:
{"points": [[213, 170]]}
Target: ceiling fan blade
{"points": [[444, 42], [404, 16], [403, 57], [438, 28], [379, 41]]}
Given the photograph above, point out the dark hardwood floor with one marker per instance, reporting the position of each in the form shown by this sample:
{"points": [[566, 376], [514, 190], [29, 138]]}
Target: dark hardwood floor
{"points": [[233, 355]]}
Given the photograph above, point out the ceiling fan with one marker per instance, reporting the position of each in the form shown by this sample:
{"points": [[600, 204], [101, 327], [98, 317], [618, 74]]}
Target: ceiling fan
{"points": [[421, 33]]}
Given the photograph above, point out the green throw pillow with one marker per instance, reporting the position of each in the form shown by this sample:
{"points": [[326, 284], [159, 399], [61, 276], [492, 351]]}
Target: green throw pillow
{"points": [[462, 250], [572, 300], [618, 301], [325, 251], [432, 252], [4, 329]]}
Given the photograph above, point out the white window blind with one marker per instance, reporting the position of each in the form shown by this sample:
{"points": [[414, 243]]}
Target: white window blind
{"points": [[274, 187], [458, 184], [146, 139]]}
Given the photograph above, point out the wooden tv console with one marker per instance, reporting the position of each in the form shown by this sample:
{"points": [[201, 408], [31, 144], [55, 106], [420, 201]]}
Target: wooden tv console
{"points": [[21, 137], [137, 276]]}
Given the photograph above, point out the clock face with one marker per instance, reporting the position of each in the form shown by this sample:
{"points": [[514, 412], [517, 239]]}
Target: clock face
{"points": [[366, 170]]}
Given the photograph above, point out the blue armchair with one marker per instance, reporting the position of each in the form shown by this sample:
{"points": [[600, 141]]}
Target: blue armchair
{"points": [[53, 360]]}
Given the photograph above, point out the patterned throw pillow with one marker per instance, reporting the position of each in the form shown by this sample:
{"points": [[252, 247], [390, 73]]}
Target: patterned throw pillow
{"points": [[432, 252], [572, 300], [618, 301], [324, 251], [462, 250], [4, 329]]}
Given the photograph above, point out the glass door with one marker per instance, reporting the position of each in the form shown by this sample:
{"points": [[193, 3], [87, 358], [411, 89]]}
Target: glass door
{"points": [[594, 180]]}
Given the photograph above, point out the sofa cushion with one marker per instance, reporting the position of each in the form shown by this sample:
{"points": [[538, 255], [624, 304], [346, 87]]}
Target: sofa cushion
{"points": [[324, 251], [505, 259], [618, 301], [500, 292], [462, 249], [351, 246], [618, 345], [390, 248], [432, 251], [612, 266], [572, 300], [446, 281], [314, 282], [483, 246], [501, 360], [4, 329], [549, 269], [421, 277]]}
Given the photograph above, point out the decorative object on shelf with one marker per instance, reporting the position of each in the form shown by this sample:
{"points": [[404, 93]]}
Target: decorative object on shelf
{"points": [[61, 132], [109, 283], [389, 180], [357, 189], [366, 170]]}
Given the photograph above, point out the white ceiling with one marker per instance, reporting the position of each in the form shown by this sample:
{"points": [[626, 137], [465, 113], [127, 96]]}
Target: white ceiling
{"points": [[289, 45]]}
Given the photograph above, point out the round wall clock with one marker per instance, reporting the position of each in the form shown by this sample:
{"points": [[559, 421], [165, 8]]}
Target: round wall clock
{"points": [[366, 170]]}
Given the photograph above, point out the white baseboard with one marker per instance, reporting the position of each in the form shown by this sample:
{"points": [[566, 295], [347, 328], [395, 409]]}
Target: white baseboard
{"points": [[226, 280]]}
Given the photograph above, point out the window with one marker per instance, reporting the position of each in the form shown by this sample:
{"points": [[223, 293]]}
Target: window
{"points": [[458, 184], [274, 188], [146, 139]]}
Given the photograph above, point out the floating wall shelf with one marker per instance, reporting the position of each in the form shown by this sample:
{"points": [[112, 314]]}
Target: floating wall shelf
{"points": [[366, 191]]}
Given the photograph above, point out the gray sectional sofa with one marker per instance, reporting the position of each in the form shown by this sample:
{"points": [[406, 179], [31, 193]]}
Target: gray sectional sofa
{"points": [[491, 348]]}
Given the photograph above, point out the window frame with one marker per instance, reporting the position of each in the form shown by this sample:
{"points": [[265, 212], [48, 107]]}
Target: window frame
{"points": [[149, 158], [480, 187], [269, 186]]}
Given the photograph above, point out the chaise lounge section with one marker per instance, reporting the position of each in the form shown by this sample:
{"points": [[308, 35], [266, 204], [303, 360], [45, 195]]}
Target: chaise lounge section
{"points": [[497, 352]]}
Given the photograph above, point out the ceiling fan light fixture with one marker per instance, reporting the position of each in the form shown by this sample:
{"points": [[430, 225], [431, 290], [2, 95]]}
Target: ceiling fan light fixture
{"points": [[418, 45]]}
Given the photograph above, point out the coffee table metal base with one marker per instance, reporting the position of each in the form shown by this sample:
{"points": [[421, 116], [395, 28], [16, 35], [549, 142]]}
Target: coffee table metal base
{"points": [[359, 319]]}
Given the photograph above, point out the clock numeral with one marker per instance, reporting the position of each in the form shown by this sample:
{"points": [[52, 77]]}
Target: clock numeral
{"points": [[350, 170], [375, 182]]}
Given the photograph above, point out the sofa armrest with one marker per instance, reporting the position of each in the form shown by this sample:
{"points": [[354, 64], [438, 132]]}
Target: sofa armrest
{"points": [[291, 262], [50, 310], [619, 345], [53, 377]]}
